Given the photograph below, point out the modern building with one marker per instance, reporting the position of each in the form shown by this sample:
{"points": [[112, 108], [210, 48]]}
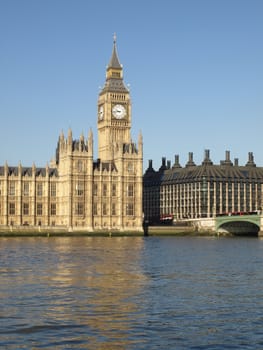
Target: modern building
{"points": [[75, 192], [201, 191]]}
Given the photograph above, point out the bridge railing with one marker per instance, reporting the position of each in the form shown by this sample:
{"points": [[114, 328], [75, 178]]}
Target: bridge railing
{"points": [[239, 213]]}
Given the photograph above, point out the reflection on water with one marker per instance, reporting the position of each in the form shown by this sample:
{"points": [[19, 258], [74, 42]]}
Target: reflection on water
{"points": [[131, 293], [61, 283], [104, 287]]}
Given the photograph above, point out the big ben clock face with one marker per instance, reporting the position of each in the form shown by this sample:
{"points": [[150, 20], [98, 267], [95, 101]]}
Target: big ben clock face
{"points": [[119, 111], [101, 112]]}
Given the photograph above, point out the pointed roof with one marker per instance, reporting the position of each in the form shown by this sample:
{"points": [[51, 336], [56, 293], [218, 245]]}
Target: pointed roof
{"points": [[114, 61], [114, 74]]}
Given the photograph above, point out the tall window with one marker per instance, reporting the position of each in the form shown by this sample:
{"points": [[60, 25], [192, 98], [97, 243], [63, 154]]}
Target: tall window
{"points": [[53, 209], [12, 208], [80, 166], [95, 209], [26, 188], [114, 190], [129, 209], [113, 209], [12, 188], [104, 193], [53, 189], [80, 188], [104, 209], [130, 190], [95, 189], [39, 189], [39, 209], [130, 167], [25, 208], [79, 209]]}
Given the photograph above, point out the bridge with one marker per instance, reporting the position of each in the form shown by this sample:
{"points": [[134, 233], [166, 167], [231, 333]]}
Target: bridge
{"points": [[246, 224]]}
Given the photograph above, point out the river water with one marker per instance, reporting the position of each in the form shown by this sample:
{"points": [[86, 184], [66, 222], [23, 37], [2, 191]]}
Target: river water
{"points": [[131, 293]]}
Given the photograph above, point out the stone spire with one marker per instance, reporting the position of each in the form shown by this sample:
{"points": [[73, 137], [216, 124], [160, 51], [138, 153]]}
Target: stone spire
{"points": [[114, 61], [90, 141]]}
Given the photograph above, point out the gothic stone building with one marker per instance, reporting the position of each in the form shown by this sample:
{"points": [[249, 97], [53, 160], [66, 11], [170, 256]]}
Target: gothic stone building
{"points": [[76, 192], [205, 190]]}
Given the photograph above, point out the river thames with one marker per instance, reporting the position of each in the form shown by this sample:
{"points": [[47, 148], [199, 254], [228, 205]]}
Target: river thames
{"points": [[131, 293]]}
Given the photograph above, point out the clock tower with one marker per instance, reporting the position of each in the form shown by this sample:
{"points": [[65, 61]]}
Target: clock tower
{"points": [[114, 110]]}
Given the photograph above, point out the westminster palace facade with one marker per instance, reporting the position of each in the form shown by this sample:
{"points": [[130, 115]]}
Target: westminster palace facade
{"points": [[75, 192]]}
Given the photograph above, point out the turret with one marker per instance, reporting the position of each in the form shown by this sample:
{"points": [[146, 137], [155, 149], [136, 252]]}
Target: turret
{"points": [[19, 169], [6, 169], [140, 142], [90, 141], [69, 139]]}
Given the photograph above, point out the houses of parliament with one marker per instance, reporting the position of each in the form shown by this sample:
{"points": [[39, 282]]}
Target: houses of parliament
{"points": [[76, 192]]}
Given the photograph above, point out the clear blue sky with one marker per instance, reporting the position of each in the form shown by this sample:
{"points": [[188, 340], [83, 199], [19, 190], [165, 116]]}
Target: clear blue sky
{"points": [[195, 69]]}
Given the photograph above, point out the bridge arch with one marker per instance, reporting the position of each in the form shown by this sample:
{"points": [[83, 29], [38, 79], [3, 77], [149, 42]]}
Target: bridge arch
{"points": [[238, 225]]}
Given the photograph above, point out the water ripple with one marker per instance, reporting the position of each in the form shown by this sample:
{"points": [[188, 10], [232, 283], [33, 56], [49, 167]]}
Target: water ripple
{"points": [[131, 293]]}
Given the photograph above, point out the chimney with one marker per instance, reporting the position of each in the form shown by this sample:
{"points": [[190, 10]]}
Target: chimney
{"points": [[150, 166], [190, 160], [163, 166], [207, 160], [176, 162], [250, 160]]}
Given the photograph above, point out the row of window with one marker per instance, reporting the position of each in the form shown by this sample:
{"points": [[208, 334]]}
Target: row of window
{"points": [[117, 96], [218, 188], [129, 209], [26, 188], [26, 211], [79, 209], [130, 190], [79, 189]]}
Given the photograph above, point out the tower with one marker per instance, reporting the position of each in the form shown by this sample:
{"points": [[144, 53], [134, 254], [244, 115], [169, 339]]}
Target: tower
{"points": [[116, 147], [114, 110]]}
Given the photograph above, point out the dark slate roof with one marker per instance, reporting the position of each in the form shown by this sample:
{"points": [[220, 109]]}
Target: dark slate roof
{"points": [[79, 144], [199, 172], [107, 166], [129, 148], [28, 171], [114, 61], [114, 85]]}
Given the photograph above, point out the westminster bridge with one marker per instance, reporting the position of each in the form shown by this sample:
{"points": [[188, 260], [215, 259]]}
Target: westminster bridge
{"points": [[233, 224]]}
